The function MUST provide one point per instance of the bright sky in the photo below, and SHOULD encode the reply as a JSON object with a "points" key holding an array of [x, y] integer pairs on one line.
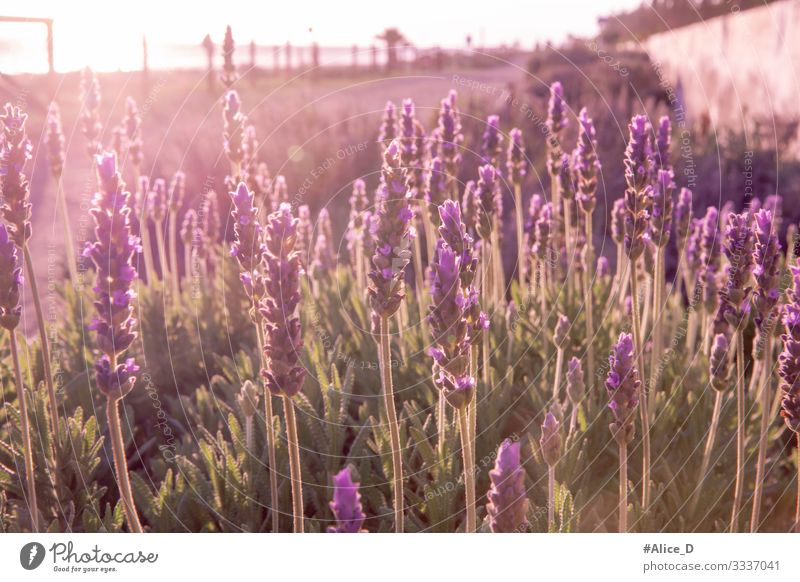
{"points": [[107, 35]]}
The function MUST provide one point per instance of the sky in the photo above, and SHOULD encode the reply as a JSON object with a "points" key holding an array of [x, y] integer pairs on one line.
{"points": [[107, 35]]}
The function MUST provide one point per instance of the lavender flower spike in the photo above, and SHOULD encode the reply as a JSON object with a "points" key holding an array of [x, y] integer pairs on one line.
{"points": [[587, 163], [346, 504], [789, 359], [550, 441], [738, 248], [766, 256], [623, 387], [54, 141], [508, 506], [10, 282], [392, 240], [638, 155], [388, 125], [576, 388], [661, 220], [283, 340], [515, 158], [15, 151], [492, 146], [247, 247], [719, 363], [683, 217]]}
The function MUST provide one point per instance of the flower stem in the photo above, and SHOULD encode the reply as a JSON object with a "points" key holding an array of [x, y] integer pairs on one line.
{"points": [[559, 367], [712, 436], [385, 355], [121, 465], [162, 252], [655, 354], [737, 492], [48, 374], [294, 464], [797, 504], [623, 486], [758, 488], [551, 498], [469, 469], [643, 408], [173, 254], [419, 286], [588, 299], [30, 483], [72, 264], [520, 234], [268, 421]]}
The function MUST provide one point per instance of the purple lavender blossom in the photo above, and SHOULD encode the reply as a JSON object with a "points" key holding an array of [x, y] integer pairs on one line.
{"points": [[566, 178], [470, 207], [542, 233], [355, 226], [587, 164], [661, 149], [738, 248], [515, 158], [10, 282], [247, 247], [638, 155], [766, 256], [550, 441], [438, 188], [54, 141], [388, 125], [283, 339], [618, 221], [234, 123], [661, 219], [576, 388], [449, 134], [555, 123], [508, 505], [15, 151], [683, 217], [623, 387], [561, 331], [410, 154], [90, 111], [637, 218], [157, 201], [392, 240], [492, 145], [789, 359], [719, 363], [113, 253], [189, 228], [132, 124], [305, 232], [490, 200], [346, 504]]}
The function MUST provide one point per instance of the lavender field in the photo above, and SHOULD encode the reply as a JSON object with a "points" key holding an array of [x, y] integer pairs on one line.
{"points": [[490, 296]]}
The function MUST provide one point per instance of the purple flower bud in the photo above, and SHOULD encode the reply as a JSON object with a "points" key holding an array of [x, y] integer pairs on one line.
{"points": [[508, 505], [561, 333], [789, 359], [283, 372], [576, 388], [449, 135], [587, 163], [515, 158], [388, 125], [490, 200], [661, 153], [766, 256], [90, 111], [113, 253], [566, 178], [542, 233], [719, 363], [738, 248], [346, 504], [492, 146], [157, 201], [550, 441], [638, 156], [10, 282], [618, 221], [623, 387], [247, 246], [54, 141], [234, 122], [683, 217], [15, 151]]}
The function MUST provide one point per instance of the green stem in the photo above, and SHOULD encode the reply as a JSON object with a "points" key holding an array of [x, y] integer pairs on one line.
{"points": [[643, 407], [709, 448], [385, 362], [30, 482], [469, 469], [758, 488], [48, 374], [294, 464], [589, 298], [551, 498], [173, 254], [520, 234], [121, 465], [740, 419], [268, 421], [559, 368], [623, 485]]}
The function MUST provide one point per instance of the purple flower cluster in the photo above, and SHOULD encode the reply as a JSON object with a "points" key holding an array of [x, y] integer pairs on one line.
{"points": [[133, 133], [113, 253], [542, 233], [449, 135], [661, 148], [661, 219], [719, 363], [355, 226], [388, 125], [90, 111], [438, 188], [550, 441], [683, 217], [789, 359], [492, 145], [454, 315], [508, 505], [587, 163], [489, 199], [638, 154], [346, 504], [576, 388], [283, 339], [766, 270], [15, 151], [392, 239], [738, 248], [623, 387], [555, 123], [54, 141], [234, 122], [247, 247], [515, 158], [10, 282]]}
